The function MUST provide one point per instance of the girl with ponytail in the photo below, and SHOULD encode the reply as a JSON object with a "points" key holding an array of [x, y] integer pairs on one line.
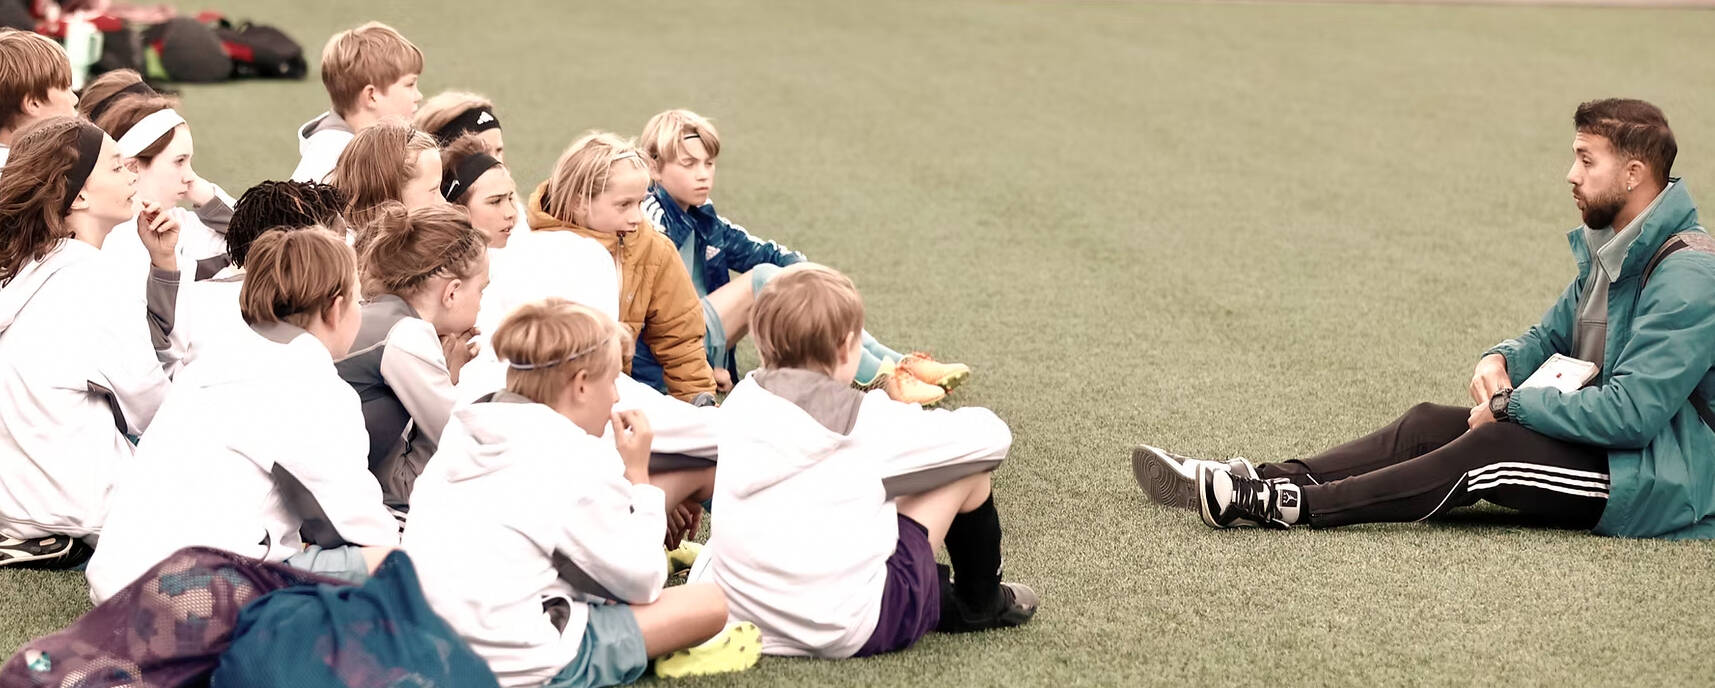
{"points": [[424, 272]]}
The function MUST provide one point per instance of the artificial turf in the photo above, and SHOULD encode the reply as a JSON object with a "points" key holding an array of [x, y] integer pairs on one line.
{"points": [[1249, 229]]}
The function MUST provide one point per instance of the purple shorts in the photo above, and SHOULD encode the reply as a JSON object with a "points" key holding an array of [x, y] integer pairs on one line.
{"points": [[911, 599]]}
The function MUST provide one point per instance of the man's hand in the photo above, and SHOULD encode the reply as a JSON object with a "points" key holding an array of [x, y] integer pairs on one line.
{"points": [[1480, 416], [1491, 377], [632, 437], [159, 232]]}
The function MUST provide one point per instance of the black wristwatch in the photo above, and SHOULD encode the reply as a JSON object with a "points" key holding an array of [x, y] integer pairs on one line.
{"points": [[1498, 405]]}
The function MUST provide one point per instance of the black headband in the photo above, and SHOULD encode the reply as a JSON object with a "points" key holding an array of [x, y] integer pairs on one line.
{"points": [[458, 180], [473, 121], [88, 152], [101, 108]]}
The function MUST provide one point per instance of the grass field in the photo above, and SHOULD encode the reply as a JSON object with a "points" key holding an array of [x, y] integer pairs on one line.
{"points": [[1233, 228]]}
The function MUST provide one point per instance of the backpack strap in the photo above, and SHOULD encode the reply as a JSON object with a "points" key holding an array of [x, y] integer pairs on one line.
{"points": [[1700, 242]]}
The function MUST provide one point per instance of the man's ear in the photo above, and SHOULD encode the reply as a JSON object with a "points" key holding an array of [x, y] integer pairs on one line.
{"points": [[1636, 173]]}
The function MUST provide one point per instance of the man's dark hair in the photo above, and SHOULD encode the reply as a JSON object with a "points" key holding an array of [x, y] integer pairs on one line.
{"points": [[1638, 131], [281, 205]]}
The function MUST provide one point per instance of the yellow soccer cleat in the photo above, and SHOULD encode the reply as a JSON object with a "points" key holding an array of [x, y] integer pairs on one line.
{"points": [[944, 375], [736, 648], [682, 558], [906, 388]]}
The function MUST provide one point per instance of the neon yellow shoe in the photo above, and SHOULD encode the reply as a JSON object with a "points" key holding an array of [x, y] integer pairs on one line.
{"points": [[736, 648], [944, 375], [682, 558]]}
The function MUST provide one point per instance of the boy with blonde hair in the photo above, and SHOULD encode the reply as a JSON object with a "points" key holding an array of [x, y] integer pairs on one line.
{"points": [[568, 589], [370, 73], [681, 147], [35, 84], [809, 453]]}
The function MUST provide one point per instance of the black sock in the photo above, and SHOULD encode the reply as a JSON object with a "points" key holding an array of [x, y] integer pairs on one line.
{"points": [[973, 547]]}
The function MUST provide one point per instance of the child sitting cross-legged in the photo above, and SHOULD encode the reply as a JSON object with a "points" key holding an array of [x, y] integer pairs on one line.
{"points": [[565, 524], [802, 452]]}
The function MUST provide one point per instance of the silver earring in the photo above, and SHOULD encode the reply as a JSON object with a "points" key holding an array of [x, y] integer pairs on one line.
{"points": [[1629, 187]]}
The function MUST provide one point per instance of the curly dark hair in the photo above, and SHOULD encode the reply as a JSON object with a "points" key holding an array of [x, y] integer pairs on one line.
{"points": [[282, 205]]}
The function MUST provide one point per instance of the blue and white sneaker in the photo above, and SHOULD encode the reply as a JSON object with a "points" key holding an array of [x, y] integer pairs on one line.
{"points": [[1171, 479]]}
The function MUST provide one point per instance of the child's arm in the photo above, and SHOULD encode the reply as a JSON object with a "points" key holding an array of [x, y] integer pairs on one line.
{"points": [[612, 532], [415, 368], [745, 252], [923, 449], [674, 332]]}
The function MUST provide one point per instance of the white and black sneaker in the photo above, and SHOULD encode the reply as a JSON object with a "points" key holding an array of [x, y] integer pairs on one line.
{"points": [[1171, 479], [51, 552], [1226, 500]]}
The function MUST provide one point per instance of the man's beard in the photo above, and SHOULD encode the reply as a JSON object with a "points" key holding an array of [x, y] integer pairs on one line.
{"points": [[1599, 211]]}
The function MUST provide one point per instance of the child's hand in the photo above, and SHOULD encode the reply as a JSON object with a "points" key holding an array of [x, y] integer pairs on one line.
{"points": [[632, 437], [159, 232], [682, 522], [723, 380], [459, 349], [201, 192]]}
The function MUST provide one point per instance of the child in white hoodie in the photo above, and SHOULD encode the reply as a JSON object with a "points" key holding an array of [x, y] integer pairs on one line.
{"points": [[803, 452], [370, 73], [78, 374], [260, 443], [564, 522]]}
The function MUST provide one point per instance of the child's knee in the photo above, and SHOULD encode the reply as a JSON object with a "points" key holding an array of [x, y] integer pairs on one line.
{"points": [[760, 275]]}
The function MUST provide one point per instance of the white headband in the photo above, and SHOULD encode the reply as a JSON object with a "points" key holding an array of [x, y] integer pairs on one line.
{"points": [[147, 131]]}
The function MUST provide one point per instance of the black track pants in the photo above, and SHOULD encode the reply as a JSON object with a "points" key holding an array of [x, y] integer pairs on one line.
{"points": [[1429, 461]]}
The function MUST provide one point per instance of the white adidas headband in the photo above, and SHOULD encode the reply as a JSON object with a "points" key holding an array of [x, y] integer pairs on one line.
{"points": [[147, 131]]}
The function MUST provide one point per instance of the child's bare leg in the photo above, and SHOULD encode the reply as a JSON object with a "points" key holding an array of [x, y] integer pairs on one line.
{"points": [[936, 509], [689, 484], [733, 302], [684, 616]]}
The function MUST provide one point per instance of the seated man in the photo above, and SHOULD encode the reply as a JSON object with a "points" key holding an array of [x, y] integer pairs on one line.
{"points": [[1630, 454]]}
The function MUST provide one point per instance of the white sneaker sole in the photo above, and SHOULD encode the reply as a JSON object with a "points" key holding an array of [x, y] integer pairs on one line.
{"points": [[1161, 479]]}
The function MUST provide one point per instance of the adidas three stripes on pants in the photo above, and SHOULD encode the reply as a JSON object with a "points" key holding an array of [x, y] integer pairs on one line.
{"points": [[1430, 461]]}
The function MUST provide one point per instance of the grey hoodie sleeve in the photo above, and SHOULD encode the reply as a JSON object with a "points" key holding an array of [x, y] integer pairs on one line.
{"points": [[162, 294]]}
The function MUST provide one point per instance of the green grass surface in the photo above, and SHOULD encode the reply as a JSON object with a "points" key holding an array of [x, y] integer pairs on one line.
{"points": [[1236, 228]]}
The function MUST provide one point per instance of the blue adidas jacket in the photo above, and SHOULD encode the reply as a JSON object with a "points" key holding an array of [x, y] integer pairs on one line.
{"points": [[725, 248]]}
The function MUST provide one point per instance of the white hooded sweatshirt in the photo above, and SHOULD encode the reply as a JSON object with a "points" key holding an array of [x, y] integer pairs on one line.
{"points": [[804, 501], [259, 439], [320, 141], [77, 374], [520, 507]]}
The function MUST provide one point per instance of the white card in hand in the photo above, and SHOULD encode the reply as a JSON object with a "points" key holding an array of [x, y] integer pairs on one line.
{"points": [[1564, 373]]}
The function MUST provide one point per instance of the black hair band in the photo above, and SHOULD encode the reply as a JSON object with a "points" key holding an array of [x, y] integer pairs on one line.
{"points": [[458, 180], [107, 103], [473, 121], [88, 153]]}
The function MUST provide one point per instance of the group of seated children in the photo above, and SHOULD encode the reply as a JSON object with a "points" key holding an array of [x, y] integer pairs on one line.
{"points": [[398, 350]]}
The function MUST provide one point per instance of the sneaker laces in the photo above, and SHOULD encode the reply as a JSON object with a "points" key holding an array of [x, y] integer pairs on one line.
{"points": [[1257, 501]]}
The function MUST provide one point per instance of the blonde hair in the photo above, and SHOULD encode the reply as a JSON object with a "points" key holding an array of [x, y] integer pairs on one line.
{"points": [[374, 167], [30, 65], [547, 343], [295, 276], [803, 315], [583, 170], [446, 106], [406, 248], [663, 138], [374, 54], [128, 110]]}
